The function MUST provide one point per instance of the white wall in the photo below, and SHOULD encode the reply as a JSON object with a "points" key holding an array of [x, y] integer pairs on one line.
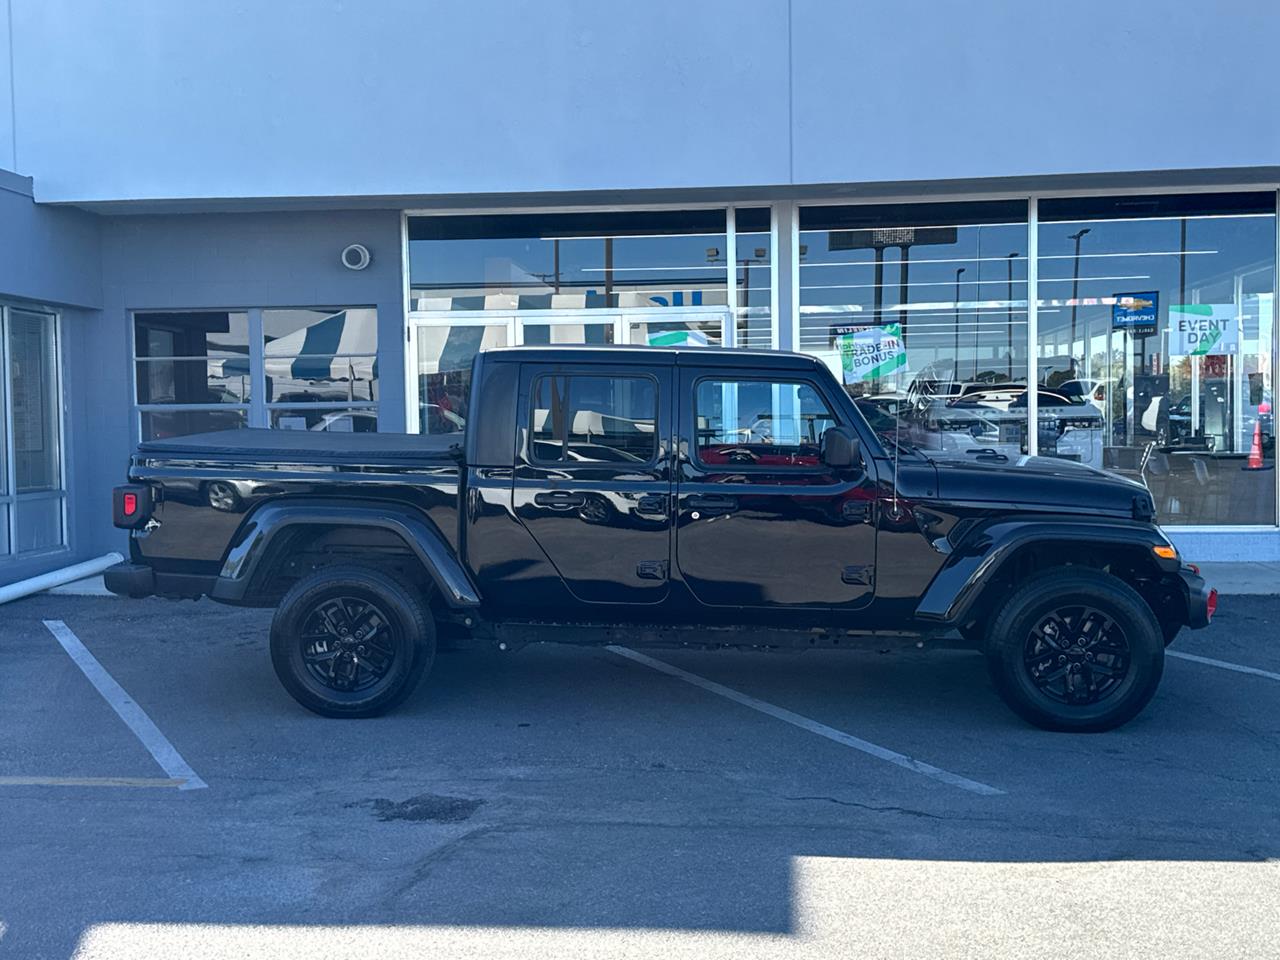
{"points": [[155, 99]]}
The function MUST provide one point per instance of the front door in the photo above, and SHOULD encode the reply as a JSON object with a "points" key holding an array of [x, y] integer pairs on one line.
{"points": [[592, 481], [761, 520]]}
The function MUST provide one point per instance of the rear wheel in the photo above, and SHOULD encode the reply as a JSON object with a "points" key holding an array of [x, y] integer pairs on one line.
{"points": [[1076, 650], [351, 641]]}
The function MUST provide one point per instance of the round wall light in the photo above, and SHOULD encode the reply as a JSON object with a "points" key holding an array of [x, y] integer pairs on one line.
{"points": [[356, 256]]}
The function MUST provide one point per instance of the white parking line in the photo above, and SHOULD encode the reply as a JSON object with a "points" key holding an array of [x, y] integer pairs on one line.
{"points": [[133, 715], [813, 726], [1223, 664], [89, 782]]}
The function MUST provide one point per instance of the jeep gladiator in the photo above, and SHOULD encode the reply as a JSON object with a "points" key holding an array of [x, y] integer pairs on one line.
{"points": [[685, 496]]}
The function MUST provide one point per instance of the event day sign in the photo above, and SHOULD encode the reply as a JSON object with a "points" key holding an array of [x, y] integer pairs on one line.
{"points": [[867, 353], [1204, 329]]}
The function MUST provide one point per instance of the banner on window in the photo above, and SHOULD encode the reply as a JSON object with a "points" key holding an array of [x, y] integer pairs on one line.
{"points": [[677, 338], [869, 353], [1204, 329]]}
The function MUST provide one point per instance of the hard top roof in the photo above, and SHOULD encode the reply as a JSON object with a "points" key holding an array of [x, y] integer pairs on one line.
{"points": [[682, 356]]}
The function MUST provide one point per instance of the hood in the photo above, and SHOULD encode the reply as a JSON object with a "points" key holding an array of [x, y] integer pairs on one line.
{"points": [[1038, 482]]}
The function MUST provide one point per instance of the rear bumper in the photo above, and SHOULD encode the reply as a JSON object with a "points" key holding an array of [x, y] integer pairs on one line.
{"points": [[1202, 599], [130, 580], [138, 580]]}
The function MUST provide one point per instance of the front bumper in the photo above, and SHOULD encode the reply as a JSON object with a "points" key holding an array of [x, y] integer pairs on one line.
{"points": [[1202, 599]]}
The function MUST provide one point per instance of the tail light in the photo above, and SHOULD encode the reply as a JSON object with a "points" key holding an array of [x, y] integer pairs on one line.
{"points": [[1212, 605], [131, 505]]}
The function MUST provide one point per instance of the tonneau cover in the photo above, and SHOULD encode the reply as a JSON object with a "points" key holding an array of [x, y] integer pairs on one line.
{"points": [[305, 446]]}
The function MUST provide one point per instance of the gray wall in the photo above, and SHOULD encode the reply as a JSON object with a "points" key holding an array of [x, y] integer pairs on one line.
{"points": [[226, 261], [51, 256], [48, 254], [173, 99], [60, 257]]}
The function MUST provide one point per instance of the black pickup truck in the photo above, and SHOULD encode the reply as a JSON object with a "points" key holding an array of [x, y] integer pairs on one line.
{"points": [[697, 497]]}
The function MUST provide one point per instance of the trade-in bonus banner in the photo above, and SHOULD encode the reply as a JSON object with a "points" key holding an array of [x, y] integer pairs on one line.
{"points": [[869, 353], [1203, 329]]}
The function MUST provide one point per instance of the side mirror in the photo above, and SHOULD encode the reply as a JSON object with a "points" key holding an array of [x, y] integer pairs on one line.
{"points": [[841, 447]]}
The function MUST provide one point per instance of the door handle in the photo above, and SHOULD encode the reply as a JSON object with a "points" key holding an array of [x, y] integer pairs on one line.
{"points": [[652, 503], [712, 505], [560, 499]]}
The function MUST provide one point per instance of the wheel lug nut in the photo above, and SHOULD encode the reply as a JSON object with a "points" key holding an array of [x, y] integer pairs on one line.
{"points": [[1062, 658]]}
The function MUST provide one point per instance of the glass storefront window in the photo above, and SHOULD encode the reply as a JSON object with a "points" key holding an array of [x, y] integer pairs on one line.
{"points": [[564, 261], [753, 308], [1158, 312], [320, 356], [649, 331], [160, 424], [194, 371], [546, 334], [191, 360], [921, 312], [443, 361], [320, 419]]}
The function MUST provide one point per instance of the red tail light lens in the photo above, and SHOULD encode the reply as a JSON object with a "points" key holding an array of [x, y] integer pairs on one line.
{"points": [[130, 504], [1213, 603]]}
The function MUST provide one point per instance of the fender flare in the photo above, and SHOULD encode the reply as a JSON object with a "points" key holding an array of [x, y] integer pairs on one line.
{"points": [[986, 548], [264, 524]]}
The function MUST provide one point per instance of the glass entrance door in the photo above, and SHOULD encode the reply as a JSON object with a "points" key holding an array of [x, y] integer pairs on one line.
{"points": [[32, 492]]}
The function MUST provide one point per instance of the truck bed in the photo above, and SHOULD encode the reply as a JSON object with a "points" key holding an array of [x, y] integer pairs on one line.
{"points": [[293, 446]]}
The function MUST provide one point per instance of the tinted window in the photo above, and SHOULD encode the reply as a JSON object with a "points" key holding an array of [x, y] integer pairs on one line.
{"points": [[591, 419], [568, 260], [760, 422]]}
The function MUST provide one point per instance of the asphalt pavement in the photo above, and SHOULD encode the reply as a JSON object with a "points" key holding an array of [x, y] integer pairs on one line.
{"points": [[569, 802]]}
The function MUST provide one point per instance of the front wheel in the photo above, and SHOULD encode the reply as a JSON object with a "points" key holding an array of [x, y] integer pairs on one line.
{"points": [[351, 641], [1076, 650]]}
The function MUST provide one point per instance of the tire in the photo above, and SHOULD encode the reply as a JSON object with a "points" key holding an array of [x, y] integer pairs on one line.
{"points": [[324, 661], [1088, 681]]}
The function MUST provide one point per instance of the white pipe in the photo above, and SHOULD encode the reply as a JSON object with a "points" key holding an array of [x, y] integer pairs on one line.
{"points": [[56, 578]]}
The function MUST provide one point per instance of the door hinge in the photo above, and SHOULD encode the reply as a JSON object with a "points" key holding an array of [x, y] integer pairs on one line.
{"points": [[651, 569], [859, 574]]}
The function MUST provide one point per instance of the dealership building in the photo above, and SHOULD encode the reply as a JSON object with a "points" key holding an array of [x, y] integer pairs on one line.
{"points": [[305, 215]]}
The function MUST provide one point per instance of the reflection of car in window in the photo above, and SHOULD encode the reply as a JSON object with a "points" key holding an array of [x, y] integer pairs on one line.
{"points": [[348, 421]]}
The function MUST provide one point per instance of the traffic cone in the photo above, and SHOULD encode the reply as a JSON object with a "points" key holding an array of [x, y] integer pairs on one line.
{"points": [[1255, 451]]}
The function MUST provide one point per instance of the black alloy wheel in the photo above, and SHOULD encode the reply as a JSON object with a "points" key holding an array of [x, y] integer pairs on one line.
{"points": [[351, 641], [1077, 654], [348, 644], [1075, 649]]}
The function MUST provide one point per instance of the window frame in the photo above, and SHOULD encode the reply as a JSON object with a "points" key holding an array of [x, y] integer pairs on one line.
{"points": [[257, 410], [801, 379], [534, 384]]}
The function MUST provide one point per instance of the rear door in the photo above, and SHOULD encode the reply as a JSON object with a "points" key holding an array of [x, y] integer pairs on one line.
{"points": [[761, 520], [592, 481]]}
